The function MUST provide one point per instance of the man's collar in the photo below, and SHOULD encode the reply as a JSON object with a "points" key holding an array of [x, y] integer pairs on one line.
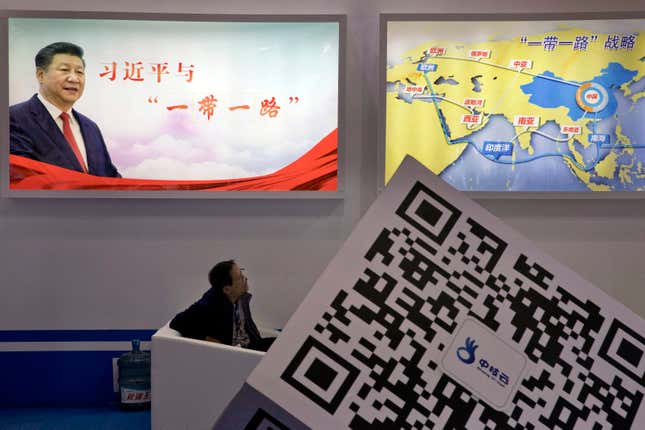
{"points": [[246, 297], [53, 110]]}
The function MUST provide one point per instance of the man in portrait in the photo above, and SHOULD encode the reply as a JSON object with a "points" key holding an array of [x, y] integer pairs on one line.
{"points": [[46, 127]]}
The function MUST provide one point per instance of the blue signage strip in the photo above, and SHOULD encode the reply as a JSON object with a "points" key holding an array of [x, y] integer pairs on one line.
{"points": [[57, 378], [74, 335], [46, 378]]}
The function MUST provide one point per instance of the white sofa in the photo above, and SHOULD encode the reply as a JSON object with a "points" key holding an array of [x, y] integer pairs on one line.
{"points": [[193, 380]]}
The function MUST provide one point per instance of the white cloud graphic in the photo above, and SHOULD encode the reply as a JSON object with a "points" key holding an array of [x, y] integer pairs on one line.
{"points": [[169, 168]]}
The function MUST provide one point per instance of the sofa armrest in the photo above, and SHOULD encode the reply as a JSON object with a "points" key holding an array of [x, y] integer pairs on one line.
{"points": [[194, 380], [268, 332]]}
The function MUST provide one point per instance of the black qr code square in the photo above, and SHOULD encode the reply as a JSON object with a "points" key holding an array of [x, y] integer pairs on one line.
{"points": [[429, 213], [263, 421], [624, 348], [320, 374]]}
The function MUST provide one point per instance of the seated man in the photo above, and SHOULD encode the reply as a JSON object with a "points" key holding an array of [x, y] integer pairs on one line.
{"points": [[223, 314]]}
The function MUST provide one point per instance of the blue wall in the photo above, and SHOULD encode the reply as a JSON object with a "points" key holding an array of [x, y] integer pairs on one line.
{"points": [[40, 376]]}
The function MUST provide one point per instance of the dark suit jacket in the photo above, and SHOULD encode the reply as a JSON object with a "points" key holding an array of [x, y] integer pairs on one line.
{"points": [[212, 315], [34, 134]]}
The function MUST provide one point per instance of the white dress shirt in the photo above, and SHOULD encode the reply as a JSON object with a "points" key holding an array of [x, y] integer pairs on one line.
{"points": [[76, 128]]}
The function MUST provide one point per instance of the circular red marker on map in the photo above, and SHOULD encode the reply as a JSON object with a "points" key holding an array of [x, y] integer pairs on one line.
{"points": [[592, 97]]}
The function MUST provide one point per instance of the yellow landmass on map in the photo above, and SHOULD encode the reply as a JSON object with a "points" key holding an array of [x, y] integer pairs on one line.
{"points": [[419, 137], [414, 128], [638, 96], [640, 170], [625, 174], [606, 168], [586, 177], [576, 154], [622, 138]]}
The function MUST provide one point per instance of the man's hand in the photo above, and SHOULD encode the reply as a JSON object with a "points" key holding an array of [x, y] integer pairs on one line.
{"points": [[212, 339]]}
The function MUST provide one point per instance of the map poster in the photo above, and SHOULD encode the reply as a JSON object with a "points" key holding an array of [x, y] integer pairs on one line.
{"points": [[528, 106]]}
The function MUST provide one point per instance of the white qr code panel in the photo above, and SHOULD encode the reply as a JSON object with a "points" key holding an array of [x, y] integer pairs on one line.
{"points": [[436, 315]]}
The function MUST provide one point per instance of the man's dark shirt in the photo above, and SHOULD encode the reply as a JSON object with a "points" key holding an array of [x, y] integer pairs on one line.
{"points": [[212, 316]]}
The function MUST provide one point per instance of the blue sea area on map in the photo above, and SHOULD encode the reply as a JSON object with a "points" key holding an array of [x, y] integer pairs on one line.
{"points": [[632, 156], [631, 120], [551, 93], [619, 164], [472, 171], [532, 171], [637, 86]]}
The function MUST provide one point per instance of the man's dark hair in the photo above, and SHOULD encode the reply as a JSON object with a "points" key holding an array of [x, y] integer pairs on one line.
{"points": [[45, 56], [220, 274]]}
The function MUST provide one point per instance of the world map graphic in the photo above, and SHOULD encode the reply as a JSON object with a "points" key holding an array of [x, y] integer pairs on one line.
{"points": [[520, 110]]}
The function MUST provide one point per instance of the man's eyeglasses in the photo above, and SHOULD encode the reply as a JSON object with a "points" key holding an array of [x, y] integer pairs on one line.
{"points": [[242, 274]]}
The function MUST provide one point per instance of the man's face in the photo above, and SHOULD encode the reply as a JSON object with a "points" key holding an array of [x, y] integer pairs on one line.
{"points": [[63, 81], [240, 283]]}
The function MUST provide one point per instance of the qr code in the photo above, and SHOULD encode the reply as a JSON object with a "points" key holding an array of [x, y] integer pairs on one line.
{"points": [[373, 357]]}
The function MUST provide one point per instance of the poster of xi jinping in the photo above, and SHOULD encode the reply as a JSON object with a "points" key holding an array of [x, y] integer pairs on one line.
{"points": [[235, 104]]}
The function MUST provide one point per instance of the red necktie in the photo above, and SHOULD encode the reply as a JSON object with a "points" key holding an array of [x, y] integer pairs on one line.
{"points": [[69, 136]]}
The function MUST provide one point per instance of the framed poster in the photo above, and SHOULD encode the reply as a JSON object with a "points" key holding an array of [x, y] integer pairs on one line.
{"points": [[516, 105], [173, 105]]}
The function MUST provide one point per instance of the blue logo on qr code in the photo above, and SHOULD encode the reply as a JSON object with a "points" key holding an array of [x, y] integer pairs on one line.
{"points": [[467, 353], [484, 363]]}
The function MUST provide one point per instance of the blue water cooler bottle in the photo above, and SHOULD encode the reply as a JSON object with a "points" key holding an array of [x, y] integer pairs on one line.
{"points": [[134, 378]]}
